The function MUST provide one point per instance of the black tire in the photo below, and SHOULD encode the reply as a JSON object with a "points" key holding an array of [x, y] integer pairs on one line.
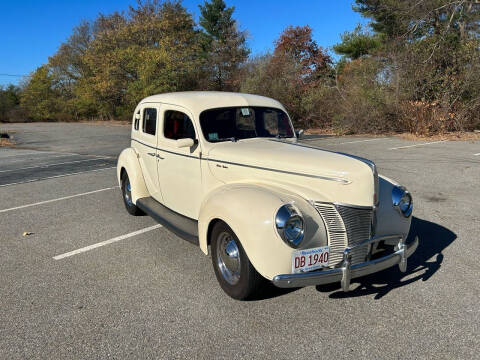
{"points": [[127, 196], [244, 281]]}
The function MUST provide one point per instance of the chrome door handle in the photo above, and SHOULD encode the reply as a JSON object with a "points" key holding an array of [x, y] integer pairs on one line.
{"points": [[158, 156], [151, 154]]}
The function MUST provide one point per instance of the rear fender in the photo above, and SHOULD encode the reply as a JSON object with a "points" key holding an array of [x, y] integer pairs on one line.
{"points": [[128, 160]]}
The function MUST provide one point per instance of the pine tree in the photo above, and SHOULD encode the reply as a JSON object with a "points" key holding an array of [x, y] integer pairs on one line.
{"points": [[224, 45]]}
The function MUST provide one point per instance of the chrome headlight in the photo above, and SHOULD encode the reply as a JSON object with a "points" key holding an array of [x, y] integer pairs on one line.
{"points": [[290, 225], [402, 200]]}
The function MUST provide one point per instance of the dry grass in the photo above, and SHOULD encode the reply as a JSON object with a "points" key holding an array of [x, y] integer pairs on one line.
{"points": [[109, 122], [316, 131], [336, 133], [451, 136]]}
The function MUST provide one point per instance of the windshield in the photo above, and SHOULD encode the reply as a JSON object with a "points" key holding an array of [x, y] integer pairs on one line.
{"points": [[235, 123]]}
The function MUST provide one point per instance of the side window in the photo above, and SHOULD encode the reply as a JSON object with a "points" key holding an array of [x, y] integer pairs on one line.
{"points": [[149, 121], [137, 120], [178, 125]]}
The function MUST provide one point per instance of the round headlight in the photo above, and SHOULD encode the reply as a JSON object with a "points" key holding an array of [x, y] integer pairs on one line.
{"points": [[290, 225], [402, 200]]}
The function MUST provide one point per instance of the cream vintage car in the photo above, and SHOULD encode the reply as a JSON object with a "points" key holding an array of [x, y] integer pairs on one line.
{"points": [[225, 171]]}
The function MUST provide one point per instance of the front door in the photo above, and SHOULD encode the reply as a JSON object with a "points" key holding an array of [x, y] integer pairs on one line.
{"points": [[179, 170], [144, 139]]}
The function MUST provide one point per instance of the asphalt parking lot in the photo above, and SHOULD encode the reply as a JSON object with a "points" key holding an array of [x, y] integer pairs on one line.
{"points": [[91, 281]]}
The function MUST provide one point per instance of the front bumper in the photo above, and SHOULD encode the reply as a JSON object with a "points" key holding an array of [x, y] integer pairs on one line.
{"points": [[347, 271]]}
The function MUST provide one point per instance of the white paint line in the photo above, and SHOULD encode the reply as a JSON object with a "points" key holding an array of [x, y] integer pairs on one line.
{"points": [[106, 242], [358, 141], [36, 158], [476, 154], [100, 156], [60, 156], [316, 139], [38, 153], [57, 176], [22, 154], [347, 142], [48, 165], [57, 199], [423, 144]]}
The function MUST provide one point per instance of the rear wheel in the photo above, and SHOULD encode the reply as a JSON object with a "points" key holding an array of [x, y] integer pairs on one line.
{"points": [[127, 196], [236, 275]]}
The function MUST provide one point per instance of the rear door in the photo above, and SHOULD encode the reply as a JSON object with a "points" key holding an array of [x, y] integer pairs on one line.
{"points": [[144, 137]]}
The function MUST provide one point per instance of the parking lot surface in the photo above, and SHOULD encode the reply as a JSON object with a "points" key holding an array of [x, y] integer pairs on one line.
{"points": [[91, 281]]}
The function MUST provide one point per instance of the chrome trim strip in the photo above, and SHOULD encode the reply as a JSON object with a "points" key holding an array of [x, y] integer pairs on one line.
{"points": [[343, 181], [340, 180], [167, 151], [150, 146], [345, 273], [363, 207]]}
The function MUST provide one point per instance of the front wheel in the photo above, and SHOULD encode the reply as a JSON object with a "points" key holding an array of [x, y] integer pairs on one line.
{"points": [[127, 196], [236, 275]]}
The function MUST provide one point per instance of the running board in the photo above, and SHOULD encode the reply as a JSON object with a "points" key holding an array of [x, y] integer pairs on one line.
{"points": [[180, 225]]}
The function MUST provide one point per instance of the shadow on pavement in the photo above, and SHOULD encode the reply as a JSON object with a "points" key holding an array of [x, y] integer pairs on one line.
{"points": [[426, 260], [270, 291]]}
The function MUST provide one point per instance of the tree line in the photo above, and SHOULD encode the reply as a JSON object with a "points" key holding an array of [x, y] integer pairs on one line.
{"points": [[415, 67]]}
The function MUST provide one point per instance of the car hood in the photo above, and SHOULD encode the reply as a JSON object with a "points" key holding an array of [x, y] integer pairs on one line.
{"points": [[328, 173]]}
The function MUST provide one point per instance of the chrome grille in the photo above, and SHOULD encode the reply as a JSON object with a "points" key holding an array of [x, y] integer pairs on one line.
{"points": [[337, 236], [346, 226]]}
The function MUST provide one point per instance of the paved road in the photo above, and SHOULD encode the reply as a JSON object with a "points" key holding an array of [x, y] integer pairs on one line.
{"points": [[153, 295]]}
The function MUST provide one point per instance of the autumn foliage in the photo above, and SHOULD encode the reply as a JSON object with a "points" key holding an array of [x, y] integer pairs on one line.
{"points": [[415, 68]]}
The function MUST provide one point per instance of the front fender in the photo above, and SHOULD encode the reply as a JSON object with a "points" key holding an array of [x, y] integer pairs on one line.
{"points": [[249, 210], [128, 160], [389, 220]]}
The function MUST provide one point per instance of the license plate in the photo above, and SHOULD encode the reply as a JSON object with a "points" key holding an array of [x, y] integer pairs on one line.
{"points": [[310, 259]]}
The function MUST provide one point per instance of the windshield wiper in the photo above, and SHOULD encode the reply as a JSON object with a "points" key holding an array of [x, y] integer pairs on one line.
{"points": [[232, 139], [278, 136]]}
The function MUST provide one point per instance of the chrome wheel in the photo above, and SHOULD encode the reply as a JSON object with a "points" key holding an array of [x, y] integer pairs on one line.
{"points": [[132, 209], [127, 193], [228, 258]]}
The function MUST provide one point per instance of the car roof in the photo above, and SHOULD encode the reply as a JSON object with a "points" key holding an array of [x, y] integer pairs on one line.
{"points": [[197, 101]]}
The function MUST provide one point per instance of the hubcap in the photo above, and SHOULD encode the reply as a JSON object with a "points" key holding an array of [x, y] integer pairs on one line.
{"points": [[128, 193], [228, 258]]}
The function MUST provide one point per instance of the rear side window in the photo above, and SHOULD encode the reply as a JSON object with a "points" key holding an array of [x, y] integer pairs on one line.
{"points": [[137, 120], [149, 121], [178, 125]]}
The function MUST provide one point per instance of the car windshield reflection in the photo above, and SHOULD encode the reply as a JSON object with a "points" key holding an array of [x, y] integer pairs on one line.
{"points": [[236, 123]]}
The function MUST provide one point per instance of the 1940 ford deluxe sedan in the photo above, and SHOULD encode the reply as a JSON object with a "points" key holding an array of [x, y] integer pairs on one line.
{"points": [[226, 171]]}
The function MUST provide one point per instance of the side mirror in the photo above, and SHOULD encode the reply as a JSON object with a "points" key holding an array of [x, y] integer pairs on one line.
{"points": [[300, 133], [137, 116], [183, 143]]}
